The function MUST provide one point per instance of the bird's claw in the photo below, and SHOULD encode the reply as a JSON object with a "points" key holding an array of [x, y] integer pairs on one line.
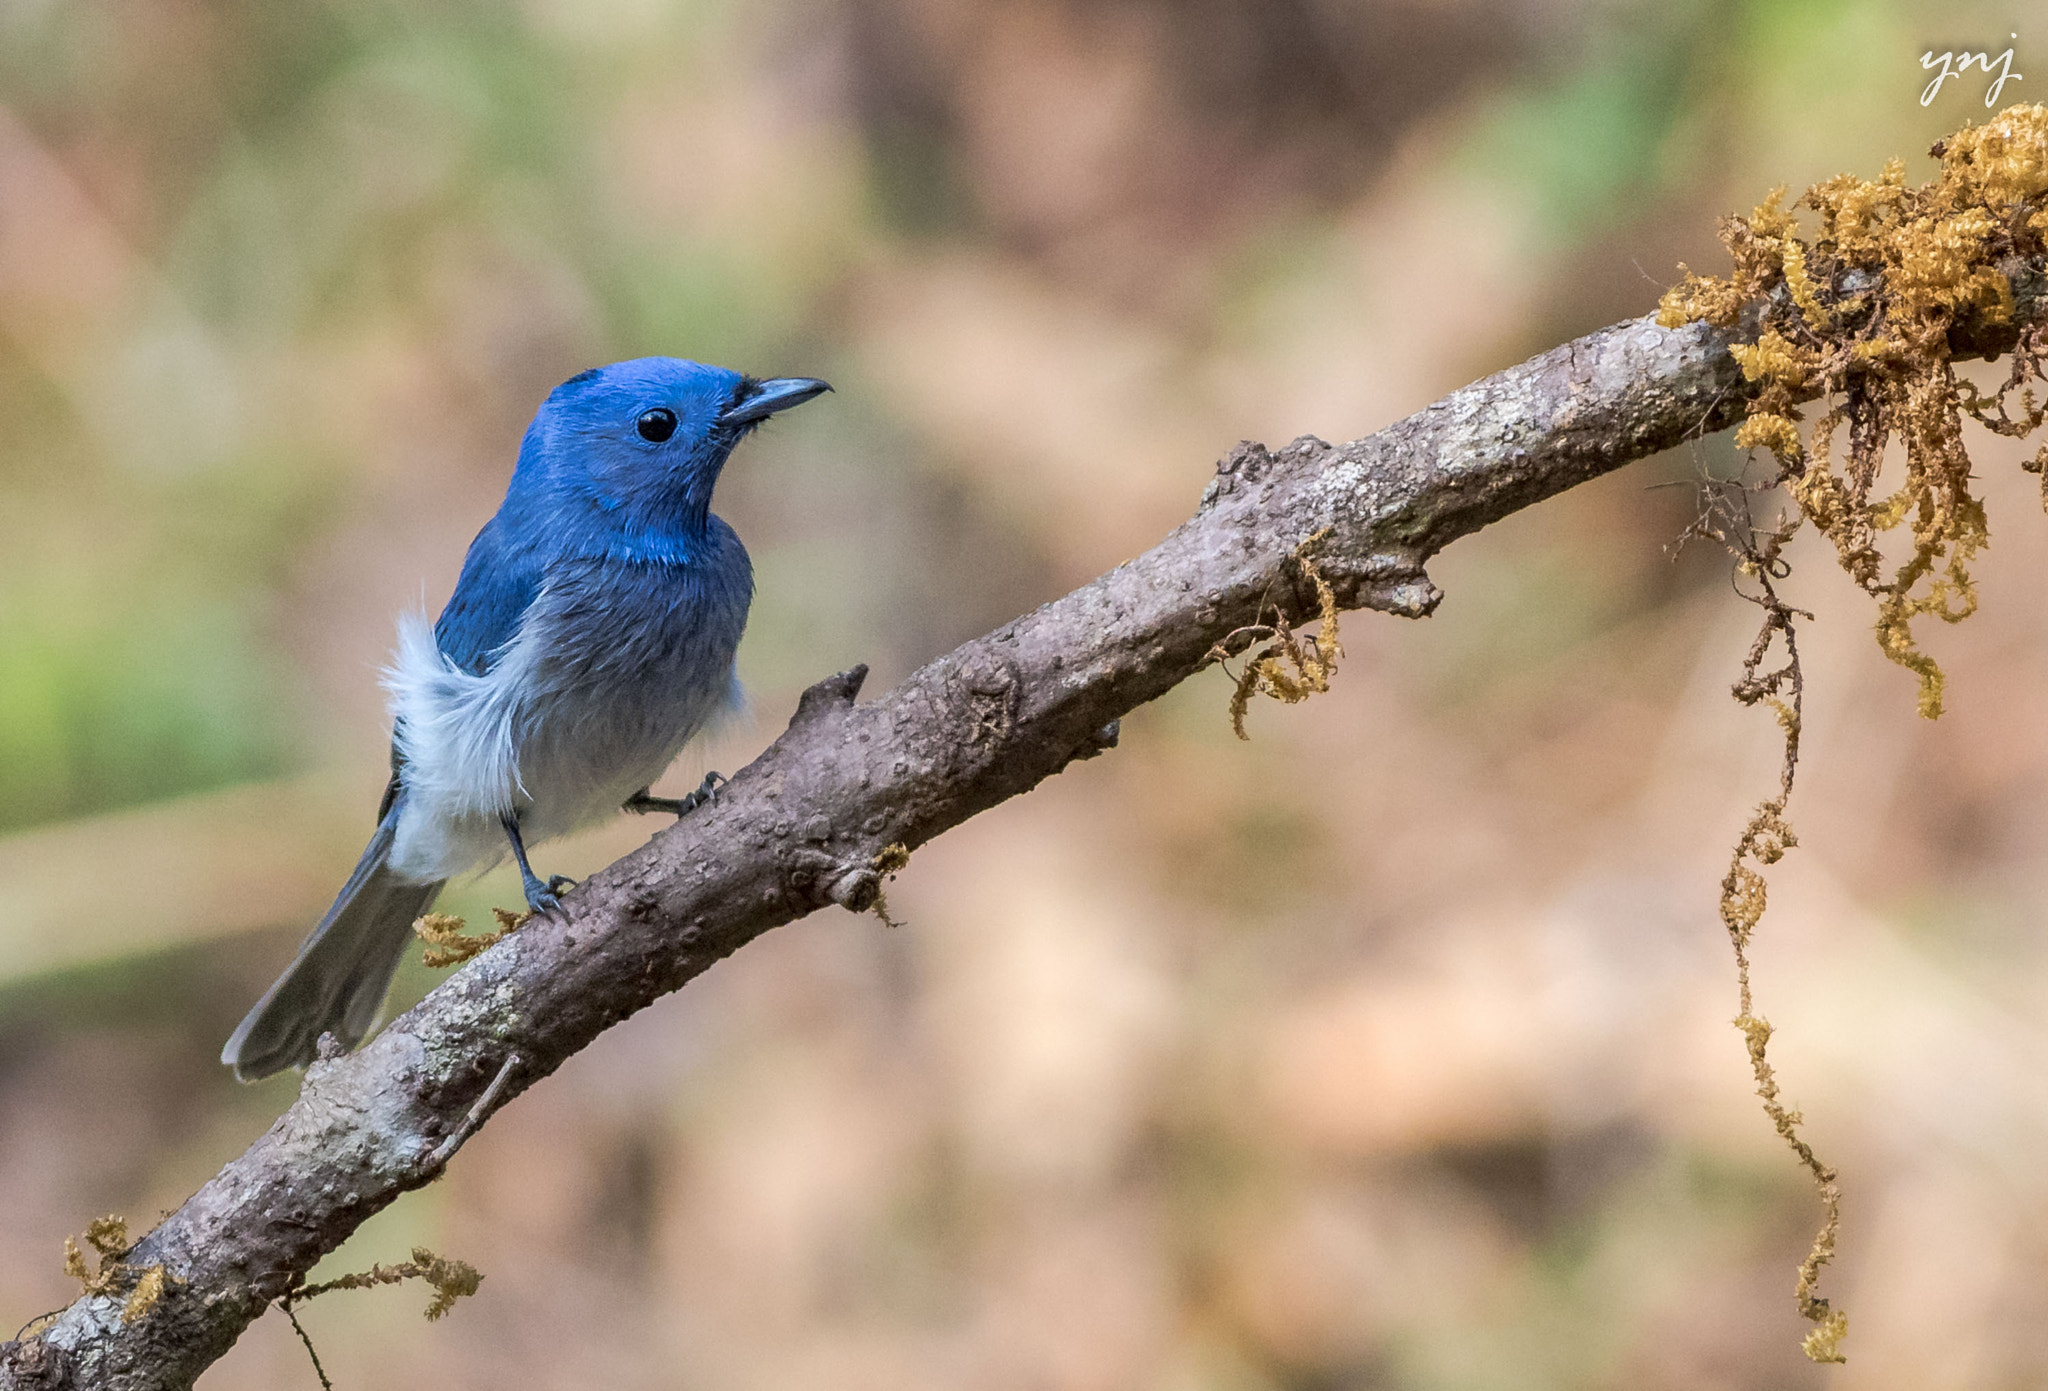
{"points": [[707, 791], [678, 807]]}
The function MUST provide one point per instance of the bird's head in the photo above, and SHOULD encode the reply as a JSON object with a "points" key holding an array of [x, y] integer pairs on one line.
{"points": [[643, 441]]}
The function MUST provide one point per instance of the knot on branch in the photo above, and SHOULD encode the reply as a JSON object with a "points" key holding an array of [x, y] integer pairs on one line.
{"points": [[1251, 462], [853, 882], [834, 695], [991, 682], [858, 888], [36, 1365], [1247, 463], [1395, 584]]}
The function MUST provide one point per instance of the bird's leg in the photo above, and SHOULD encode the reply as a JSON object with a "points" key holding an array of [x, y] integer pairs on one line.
{"points": [[678, 807], [540, 898]]}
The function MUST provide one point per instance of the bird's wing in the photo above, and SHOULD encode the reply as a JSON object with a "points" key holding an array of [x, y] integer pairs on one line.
{"points": [[498, 584]]}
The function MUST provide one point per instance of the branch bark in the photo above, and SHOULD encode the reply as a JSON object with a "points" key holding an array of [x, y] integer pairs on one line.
{"points": [[806, 823]]}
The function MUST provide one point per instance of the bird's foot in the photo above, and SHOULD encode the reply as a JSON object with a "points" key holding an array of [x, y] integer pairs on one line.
{"points": [[678, 807], [707, 790], [559, 882], [540, 898]]}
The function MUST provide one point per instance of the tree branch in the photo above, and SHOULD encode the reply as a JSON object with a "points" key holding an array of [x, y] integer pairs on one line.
{"points": [[807, 823]]}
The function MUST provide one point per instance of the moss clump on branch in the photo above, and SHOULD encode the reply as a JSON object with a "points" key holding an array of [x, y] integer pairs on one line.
{"points": [[1861, 311], [1861, 307], [1286, 666], [450, 944], [451, 1280], [888, 863], [109, 1237]]}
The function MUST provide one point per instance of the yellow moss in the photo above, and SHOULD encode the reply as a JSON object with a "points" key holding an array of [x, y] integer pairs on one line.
{"points": [[1776, 433], [77, 1269], [1743, 892], [451, 1280], [1824, 502], [1861, 310], [1937, 265], [888, 861], [1886, 515], [1770, 220], [1743, 895], [449, 945], [1818, 492], [1852, 210], [1788, 724], [108, 1235], [1895, 638], [1824, 1343], [1285, 666], [1801, 287], [143, 1298], [1859, 313], [1774, 358], [1700, 297], [2002, 162]]}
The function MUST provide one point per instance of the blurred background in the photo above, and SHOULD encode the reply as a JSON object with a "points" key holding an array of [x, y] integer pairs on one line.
{"points": [[1389, 1050]]}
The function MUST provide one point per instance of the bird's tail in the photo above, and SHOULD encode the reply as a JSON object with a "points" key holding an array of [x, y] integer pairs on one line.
{"points": [[336, 984]]}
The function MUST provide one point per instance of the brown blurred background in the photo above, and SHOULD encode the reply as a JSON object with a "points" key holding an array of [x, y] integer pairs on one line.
{"points": [[1390, 1050]]}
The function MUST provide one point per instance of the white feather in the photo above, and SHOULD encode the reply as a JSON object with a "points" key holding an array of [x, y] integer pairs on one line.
{"points": [[536, 735]]}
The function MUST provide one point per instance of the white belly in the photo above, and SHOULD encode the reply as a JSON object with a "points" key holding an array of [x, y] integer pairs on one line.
{"points": [[560, 744]]}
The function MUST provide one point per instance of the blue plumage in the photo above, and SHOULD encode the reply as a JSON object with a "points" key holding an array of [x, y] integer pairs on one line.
{"points": [[490, 598], [590, 636]]}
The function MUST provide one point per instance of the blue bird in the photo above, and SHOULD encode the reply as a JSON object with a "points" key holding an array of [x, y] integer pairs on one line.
{"points": [[590, 637]]}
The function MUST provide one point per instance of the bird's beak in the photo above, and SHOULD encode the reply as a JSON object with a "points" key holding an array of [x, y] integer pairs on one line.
{"points": [[775, 394]]}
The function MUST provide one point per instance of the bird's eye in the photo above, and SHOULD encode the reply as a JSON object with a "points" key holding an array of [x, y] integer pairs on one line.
{"points": [[657, 425]]}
